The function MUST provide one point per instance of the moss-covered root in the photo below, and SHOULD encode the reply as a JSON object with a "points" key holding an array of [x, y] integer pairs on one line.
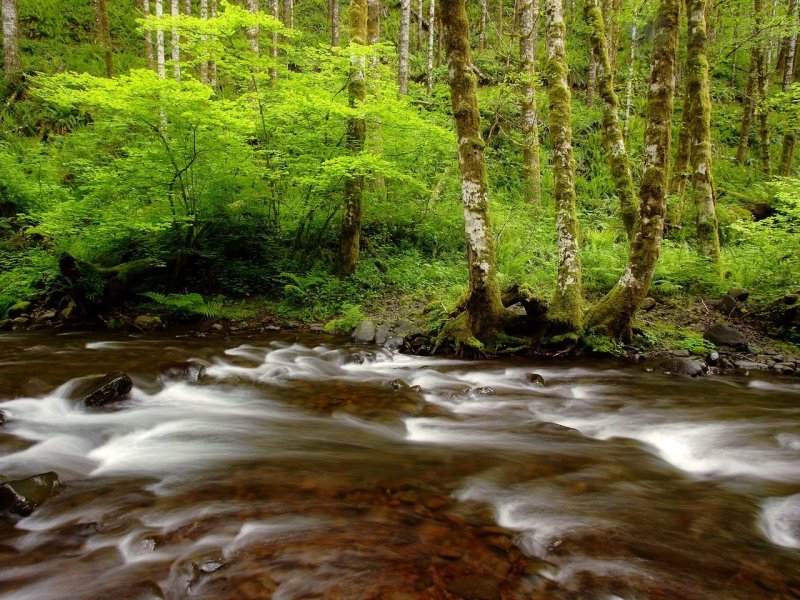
{"points": [[457, 333]]}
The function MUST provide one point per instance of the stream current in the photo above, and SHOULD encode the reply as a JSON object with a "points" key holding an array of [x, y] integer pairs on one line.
{"points": [[300, 467]]}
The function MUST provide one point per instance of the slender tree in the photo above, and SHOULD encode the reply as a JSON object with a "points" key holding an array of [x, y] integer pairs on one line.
{"points": [[531, 163], [482, 28], [148, 38], [288, 13], [204, 66], [253, 32], [175, 40], [431, 45], [274, 10], [614, 140], [614, 313], [565, 309], [762, 83], [212, 65], [355, 138], [104, 34], [697, 87], [482, 307], [160, 58], [631, 63], [373, 21], [187, 8], [680, 169], [334, 10], [748, 107], [789, 137], [405, 25], [420, 21], [12, 61]]}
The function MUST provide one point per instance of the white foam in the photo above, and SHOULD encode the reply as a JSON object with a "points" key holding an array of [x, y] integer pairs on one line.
{"points": [[780, 520]]}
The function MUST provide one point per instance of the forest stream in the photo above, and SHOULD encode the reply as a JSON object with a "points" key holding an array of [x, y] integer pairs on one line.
{"points": [[300, 467]]}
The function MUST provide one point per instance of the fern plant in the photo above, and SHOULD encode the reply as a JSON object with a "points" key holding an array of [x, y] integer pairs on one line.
{"points": [[188, 305]]}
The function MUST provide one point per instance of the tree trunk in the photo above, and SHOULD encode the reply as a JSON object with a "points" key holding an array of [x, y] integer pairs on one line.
{"points": [[431, 44], [175, 41], [104, 35], [405, 24], [614, 141], [356, 136], [148, 38], [420, 19], [631, 74], [482, 27], [531, 161], [204, 38], [614, 313], [680, 170], [187, 8], [565, 309], [373, 22], [160, 58], [482, 308], [288, 13], [274, 10], [334, 22], [12, 61], [762, 82], [789, 137], [697, 86], [748, 106], [212, 65], [253, 32], [591, 80]]}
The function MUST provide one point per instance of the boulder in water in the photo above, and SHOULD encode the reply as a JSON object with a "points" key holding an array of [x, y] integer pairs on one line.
{"points": [[3, 418], [23, 496], [191, 370], [535, 379], [683, 366], [364, 332], [105, 389]]}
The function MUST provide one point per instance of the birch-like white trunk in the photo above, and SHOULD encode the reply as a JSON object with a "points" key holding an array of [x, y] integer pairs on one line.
{"points": [[334, 22], [274, 10], [212, 65], [531, 165], [253, 32], [12, 64], [791, 47], [405, 25], [629, 93], [204, 39], [160, 58], [431, 49], [175, 41], [288, 13], [420, 11]]}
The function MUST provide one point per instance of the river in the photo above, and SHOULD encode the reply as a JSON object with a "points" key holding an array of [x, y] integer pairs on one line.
{"points": [[301, 467]]}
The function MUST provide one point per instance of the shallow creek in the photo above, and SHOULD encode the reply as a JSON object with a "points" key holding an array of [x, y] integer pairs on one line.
{"points": [[293, 470]]}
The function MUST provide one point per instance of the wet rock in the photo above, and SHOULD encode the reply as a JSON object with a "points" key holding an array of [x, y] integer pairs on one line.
{"points": [[484, 391], [382, 334], [720, 334], [67, 312], [418, 344], [681, 353], [45, 317], [744, 366], [683, 366], [3, 418], [712, 357], [19, 309], [364, 333], [19, 322], [726, 305], [191, 370], [404, 328], [105, 389], [23, 496], [394, 343], [217, 327], [359, 358], [535, 379], [785, 368], [474, 587], [648, 304], [738, 294], [147, 322], [398, 385]]}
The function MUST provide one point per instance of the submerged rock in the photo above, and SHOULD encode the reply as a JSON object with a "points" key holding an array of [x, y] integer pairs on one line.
{"points": [[105, 389], [23, 496], [3, 418], [191, 370], [720, 334], [535, 379]]}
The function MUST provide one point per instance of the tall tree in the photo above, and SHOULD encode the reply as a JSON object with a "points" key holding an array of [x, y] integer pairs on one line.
{"points": [[148, 38], [355, 138], [12, 62], [483, 309], [288, 13], [431, 47], [762, 83], [614, 313], [160, 58], [334, 10], [789, 136], [212, 65], [405, 25], [697, 87], [373, 21], [104, 34], [531, 163], [631, 63], [175, 40], [565, 309], [614, 140], [253, 32], [274, 9], [482, 27], [748, 108]]}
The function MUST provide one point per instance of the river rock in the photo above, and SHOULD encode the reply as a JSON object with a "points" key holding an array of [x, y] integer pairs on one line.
{"points": [[19, 322], [382, 334], [720, 334], [713, 356], [648, 304], [681, 353], [535, 379], [364, 333], [738, 294], [785, 368], [105, 389], [45, 317], [726, 304], [3, 418], [23, 496], [147, 322], [683, 366], [394, 343], [19, 309], [191, 370]]}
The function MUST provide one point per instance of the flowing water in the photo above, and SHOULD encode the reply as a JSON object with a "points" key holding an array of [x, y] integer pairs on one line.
{"points": [[299, 467]]}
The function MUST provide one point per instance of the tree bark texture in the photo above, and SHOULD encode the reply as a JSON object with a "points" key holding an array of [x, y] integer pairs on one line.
{"points": [[148, 38], [12, 61], [405, 25], [288, 14], [253, 32], [175, 41], [373, 22], [531, 161], [431, 46], [762, 82], [160, 57], [104, 35], [204, 64], [565, 309], [789, 136], [483, 308], [614, 140], [614, 313], [748, 107], [355, 138]]}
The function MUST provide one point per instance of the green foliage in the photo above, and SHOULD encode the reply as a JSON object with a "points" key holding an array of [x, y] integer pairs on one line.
{"points": [[185, 306], [352, 315]]}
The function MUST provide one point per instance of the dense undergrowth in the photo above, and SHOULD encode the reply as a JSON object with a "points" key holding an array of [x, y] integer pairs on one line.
{"points": [[237, 193]]}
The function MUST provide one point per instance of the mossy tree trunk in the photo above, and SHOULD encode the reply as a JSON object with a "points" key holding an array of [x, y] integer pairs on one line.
{"points": [[748, 106], [614, 313], [789, 136], [680, 169], [402, 51], [614, 140], [482, 28], [531, 162], [631, 74], [12, 61], [104, 35], [373, 22], [565, 310], [700, 128], [355, 138], [482, 309]]}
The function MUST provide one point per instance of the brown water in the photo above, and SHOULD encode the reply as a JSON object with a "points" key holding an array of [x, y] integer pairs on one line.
{"points": [[291, 471]]}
